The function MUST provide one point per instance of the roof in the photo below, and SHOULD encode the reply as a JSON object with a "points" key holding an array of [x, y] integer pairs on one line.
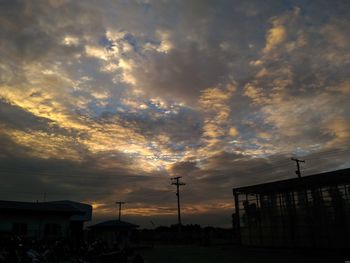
{"points": [[85, 208], [42, 207], [113, 224], [311, 181]]}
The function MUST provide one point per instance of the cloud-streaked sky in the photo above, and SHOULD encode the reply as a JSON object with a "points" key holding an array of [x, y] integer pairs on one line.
{"points": [[102, 101]]}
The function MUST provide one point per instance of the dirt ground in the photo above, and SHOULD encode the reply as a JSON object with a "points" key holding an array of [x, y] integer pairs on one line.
{"points": [[193, 254]]}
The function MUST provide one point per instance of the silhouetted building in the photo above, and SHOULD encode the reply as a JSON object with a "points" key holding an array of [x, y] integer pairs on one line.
{"points": [[44, 220], [76, 221], [307, 212], [113, 232]]}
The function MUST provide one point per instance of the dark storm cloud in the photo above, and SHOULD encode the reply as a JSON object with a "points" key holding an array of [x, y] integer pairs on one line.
{"points": [[59, 178], [16, 117]]}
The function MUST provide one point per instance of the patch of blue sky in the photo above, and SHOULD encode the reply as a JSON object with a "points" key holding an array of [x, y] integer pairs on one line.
{"points": [[194, 145], [97, 107], [105, 42], [146, 7], [299, 151], [89, 67], [253, 122], [131, 39], [142, 119], [178, 147], [245, 132], [153, 42], [97, 110], [155, 107]]}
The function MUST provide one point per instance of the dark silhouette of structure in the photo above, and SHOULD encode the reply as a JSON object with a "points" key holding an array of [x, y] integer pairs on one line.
{"points": [[298, 165], [120, 208], [176, 181], [45, 220], [308, 212], [113, 232]]}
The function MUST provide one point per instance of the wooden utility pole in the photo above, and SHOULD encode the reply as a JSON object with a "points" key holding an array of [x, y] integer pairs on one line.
{"points": [[176, 181], [298, 166], [120, 208]]}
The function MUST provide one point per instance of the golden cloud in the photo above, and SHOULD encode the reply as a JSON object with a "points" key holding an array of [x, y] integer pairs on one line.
{"points": [[275, 36]]}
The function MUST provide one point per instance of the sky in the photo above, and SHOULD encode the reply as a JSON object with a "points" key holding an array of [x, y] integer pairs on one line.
{"points": [[105, 101]]}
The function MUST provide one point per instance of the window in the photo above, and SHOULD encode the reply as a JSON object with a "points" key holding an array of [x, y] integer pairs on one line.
{"points": [[52, 230], [19, 229]]}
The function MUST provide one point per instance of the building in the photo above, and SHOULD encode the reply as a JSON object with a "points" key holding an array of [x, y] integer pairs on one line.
{"points": [[113, 232], [76, 221], [44, 220], [307, 212]]}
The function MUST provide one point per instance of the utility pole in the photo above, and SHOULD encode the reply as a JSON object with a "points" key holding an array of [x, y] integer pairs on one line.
{"points": [[298, 166], [120, 208], [176, 181]]}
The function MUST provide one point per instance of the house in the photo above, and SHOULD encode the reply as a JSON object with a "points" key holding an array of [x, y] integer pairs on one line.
{"points": [[307, 212], [44, 220], [76, 221], [113, 232]]}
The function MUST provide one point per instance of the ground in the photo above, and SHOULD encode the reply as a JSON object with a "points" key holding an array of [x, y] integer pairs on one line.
{"points": [[193, 254]]}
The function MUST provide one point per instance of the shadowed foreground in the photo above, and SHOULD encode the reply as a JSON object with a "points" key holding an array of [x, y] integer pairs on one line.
{"points": [[190, 254]]}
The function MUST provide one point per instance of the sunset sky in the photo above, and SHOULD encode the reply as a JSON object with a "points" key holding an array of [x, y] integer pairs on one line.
{"points": [[104, 101]]}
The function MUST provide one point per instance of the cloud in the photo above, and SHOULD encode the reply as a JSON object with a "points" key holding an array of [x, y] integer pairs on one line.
{"points": [[179, 73], [106, 100], [184, 168], [277, 34], [291, 90]]}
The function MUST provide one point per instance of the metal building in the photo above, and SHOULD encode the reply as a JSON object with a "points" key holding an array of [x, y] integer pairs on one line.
{"points": [[307, 212]]}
